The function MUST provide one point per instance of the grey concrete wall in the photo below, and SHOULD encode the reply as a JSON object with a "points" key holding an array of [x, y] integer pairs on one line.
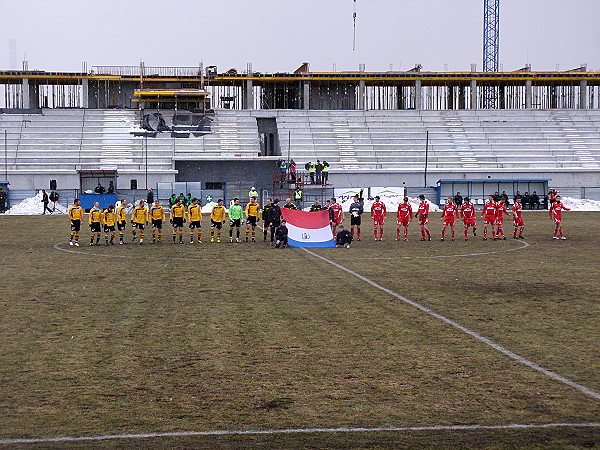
{"points": [[255, 171]]}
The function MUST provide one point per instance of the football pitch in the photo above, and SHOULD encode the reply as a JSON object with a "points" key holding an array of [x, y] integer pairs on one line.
{"points": [[385, 344]]}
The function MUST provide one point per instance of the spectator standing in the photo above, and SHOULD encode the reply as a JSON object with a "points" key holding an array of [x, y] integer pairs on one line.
{"points": [[150, 198], [54, 198], [111, 188], [298, 197], [319, 171], [3, 198], [316, 206], [283, 168], [253, 193], [325, 172], [311, 172], [45, 201], [458, 200], [274, 218], [293, 171]]}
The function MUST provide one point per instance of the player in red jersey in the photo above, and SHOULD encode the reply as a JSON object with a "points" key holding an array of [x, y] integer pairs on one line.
{"points": [[404, 216], [519, 224], [449, 214], [556, 214], [338, 216], [423, 217], [469, 216], [500, 211], [378, 213], [489, 216]]}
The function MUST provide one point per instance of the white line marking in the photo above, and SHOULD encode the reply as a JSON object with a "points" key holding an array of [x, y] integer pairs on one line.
{"points": [[455, 255], [512, 426], [471, 333]]}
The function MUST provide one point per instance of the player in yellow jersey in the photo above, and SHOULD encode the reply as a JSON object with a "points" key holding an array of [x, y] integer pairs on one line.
{"points": [[95, 221], [195, 216], [177, 218], [217, 219], [109, 220], [139, 219], [252, 217], [157, 217], [76, 216], [122, 220]]}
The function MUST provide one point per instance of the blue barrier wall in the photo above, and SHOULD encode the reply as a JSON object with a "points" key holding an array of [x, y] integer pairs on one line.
{"points": [[87, 200]]}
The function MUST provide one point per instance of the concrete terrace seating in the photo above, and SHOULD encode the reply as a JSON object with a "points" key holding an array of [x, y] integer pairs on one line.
{"points": [[459, 140], [71, 140]]}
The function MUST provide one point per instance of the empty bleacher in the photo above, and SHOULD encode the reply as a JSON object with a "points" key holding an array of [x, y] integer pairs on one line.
{"points": [[71, 140]]}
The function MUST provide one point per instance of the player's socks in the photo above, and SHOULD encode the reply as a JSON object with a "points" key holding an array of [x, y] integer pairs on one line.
{"points": [[397, 234], [428, 234], [212, 235], [106, 238], [91, 239], [97, 238], [71, 236], [191, 237], [452, 234], [76, 237], [381, 234], [237, 234], [247, 233], [253, 235], [159, 235], [121, 236], [375, 233], [174, 235], [466, 233], [406, 234], [219, 236], [443, 234], [153, 236]]}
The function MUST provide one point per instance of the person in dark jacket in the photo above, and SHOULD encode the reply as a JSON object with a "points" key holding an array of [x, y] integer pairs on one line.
{"points": [[504, 195], [3, 198], [458, 200], [535, 201], [343, 238], [356, 210], [266, 214], [319, 171], [316, 206], [281, 235], [150, 198], [526, 201], [274, 218], [45, 201]]}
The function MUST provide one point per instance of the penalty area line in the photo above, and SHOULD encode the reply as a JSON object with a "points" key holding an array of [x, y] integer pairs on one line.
{"points": [[513, 426], [477, 336]]}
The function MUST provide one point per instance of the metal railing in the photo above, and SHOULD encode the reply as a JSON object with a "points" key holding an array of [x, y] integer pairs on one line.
{"points": [[134, 71]]}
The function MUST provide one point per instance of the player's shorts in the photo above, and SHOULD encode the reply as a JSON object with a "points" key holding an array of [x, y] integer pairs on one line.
{"points": [[75, 225], [378, 220], [109, 228], [423, 220], [355, 220], [403, 222], [338, 221], [489, 220], [195, 224], [121, 226], [95, 227], [557, 220], [470, 221], [177, 222], [499, 221], [217, 225], [252, 220], [449, 221], [235, 222], [266, 223], [139, 226], [518, 222], [157, 224]]}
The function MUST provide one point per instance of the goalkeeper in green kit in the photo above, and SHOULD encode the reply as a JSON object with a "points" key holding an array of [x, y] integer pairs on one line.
{"points": [[236, 216]]}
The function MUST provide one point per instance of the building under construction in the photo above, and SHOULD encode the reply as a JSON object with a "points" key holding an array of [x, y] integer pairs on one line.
{"points": [[145, 126]]}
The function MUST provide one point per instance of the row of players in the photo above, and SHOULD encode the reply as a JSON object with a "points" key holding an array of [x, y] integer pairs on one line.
{"points": [[111, 220]]}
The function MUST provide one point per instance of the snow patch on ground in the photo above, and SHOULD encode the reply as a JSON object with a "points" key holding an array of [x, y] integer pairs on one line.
{"points": [[581, 204], [33, 206]]}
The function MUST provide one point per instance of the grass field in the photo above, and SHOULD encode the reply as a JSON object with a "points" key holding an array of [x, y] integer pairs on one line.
{"points": [[169, 338]]}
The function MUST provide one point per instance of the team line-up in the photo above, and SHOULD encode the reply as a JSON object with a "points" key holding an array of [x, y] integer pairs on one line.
{"points": [[110, 220]]}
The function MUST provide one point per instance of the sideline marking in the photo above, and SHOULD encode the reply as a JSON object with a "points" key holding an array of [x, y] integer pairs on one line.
{"points": [[512, 426], [466, 330], [80, 252]]}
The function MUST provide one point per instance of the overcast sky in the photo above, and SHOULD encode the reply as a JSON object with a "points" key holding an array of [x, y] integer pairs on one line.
{"points": [[278, 35]]}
